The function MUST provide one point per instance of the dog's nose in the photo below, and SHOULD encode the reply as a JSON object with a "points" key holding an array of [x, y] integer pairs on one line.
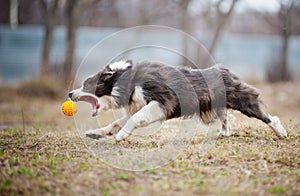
{"points": [[70, 94]]}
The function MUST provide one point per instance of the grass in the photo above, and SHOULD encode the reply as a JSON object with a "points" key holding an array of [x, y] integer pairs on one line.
{"points": [[278, 190], [41, 152]]}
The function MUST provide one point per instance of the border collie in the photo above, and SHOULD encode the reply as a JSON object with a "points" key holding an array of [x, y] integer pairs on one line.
{"points": [[151, 91]]}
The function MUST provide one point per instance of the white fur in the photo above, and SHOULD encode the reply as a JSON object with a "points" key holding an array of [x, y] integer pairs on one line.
{"points": [[119, 65], [276, 125], [105, 102], [225, 131], [79, 93], [138, 96], [113, 127], [150, 113], [115, 92], [138, 100]]}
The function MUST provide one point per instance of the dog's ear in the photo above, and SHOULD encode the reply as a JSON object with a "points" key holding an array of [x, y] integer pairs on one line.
{"points": [[107, 75]]}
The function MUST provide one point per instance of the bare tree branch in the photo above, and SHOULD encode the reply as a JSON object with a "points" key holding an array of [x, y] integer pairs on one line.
{"points": [[222, 20]]}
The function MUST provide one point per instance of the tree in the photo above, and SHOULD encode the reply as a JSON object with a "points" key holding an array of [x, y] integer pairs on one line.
{"points": [[185, 26], [284, 20], [287, 26], [214, 16], [13, 13], [48, 10], [223, 17], [73, 10]]}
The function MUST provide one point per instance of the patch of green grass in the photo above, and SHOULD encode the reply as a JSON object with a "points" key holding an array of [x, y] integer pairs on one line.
{"points": [[151, 171], [123, 176], [151, 145], [105, 193], [2, 153], [85, 166], [52, 162], [297, 175], [164, 170], [224, 173], [8, 183], [197, 182], [100, 165], [229, 192], [10, 172], [108, 190], [279, 190], [138, 189], [25, 171], [36, 156]]}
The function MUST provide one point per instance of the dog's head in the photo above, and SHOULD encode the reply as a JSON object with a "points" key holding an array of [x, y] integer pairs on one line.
{"points": [[97, 88]]}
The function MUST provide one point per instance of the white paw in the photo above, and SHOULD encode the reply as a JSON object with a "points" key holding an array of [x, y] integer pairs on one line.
{"points": [[276, 125], [280, 131], [121, 135], [94, 133], [225, 133]]}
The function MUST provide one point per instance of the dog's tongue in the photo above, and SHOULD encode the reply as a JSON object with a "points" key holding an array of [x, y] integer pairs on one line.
{"points": [[93, 102], [95, 108]]}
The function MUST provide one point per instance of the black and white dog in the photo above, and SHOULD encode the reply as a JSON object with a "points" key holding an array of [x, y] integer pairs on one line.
{"points": [[152, 91]]}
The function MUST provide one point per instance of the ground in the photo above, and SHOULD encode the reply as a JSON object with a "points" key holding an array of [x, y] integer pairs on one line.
{"points": [[41, 152]]}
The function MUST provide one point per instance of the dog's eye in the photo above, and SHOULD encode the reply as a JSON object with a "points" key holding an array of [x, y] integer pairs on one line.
{"points": [[85, 85]]}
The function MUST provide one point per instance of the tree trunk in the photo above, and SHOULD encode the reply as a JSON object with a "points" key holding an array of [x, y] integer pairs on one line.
{"points": [[185, 27], [285, 76], [13, 13], [48, 13], [47, 48], [72, 16], [284, 72]]}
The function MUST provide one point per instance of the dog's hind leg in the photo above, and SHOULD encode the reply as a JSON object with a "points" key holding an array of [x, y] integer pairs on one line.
{"points": [[223, 116], [253, 109], [150, 113], [245, 99]]}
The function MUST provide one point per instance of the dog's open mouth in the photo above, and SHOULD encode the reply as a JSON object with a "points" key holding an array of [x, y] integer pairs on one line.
{"points": [[92, 100]]}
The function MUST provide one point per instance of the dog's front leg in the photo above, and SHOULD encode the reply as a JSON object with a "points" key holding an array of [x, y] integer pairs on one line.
{"points": [[113, 127], [150, 113]]}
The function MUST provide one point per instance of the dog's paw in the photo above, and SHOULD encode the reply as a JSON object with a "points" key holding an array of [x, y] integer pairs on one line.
{"points": [[94, 134], [225, 133], [276, 125], [280, 131], [121, 135]]}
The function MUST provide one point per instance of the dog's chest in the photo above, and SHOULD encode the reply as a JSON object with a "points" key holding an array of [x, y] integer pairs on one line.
{"points": [[137, 101]]}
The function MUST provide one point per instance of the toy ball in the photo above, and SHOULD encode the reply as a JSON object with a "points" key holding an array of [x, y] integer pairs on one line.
{"points": [[69, 108]]}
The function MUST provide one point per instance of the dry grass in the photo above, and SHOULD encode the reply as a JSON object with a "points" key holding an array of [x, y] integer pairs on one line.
{"points": [[42, 153]]}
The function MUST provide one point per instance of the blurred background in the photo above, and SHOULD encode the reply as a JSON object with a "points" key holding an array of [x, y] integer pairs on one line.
{"points": [[258, 40], [46, 46]]}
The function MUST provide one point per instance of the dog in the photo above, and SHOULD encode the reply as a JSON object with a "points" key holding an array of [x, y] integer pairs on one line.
{"points": [[151, 91]]}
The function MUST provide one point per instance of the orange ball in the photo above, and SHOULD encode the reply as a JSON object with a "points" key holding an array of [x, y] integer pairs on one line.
{"points": [[69, 108]]}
